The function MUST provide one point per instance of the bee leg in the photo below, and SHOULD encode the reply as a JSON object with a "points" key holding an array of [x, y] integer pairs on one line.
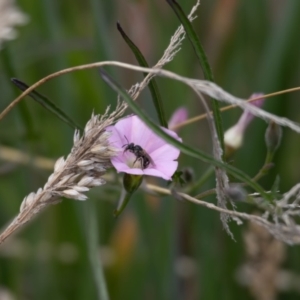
{"points": [[135, 160], [141, 160], [142, 163]]}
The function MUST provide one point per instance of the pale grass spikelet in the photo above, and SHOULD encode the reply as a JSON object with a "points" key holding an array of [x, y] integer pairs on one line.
{"points": [[10, 16], [76, 137], [59, 165], [81, 188], [176, 40], [85, 181], [99, 149], [65, 179], [75, 175], [27, 200], [169, 54], [73, 194], [84, 163], [97, 181]]}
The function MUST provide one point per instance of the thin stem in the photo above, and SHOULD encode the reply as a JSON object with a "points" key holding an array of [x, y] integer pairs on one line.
{"points": [[265, 168], [93, 250], [125, 197], [154, 71], [207, 174], [204, 116], [205, 194], [253, 218]]}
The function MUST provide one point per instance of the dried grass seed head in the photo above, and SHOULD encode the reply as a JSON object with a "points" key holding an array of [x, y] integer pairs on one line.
{"points": [[74, 176]]}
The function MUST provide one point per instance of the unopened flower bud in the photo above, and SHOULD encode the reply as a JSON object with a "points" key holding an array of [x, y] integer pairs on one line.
{"points": [[188, 175], [132, 182], [233, 137], [273, 136], [236, 193]]}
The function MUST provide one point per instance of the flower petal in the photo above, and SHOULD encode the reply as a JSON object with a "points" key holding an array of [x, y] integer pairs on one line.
{"points": [[179, 116], [164, 170], [133, 130], [165, 153]]}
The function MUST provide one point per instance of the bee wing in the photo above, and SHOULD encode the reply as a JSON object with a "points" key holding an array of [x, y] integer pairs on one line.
{"points": [[150, 159]]}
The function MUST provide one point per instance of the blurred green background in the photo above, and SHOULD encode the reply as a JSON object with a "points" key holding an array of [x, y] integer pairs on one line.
{"points": [[159, 248]]}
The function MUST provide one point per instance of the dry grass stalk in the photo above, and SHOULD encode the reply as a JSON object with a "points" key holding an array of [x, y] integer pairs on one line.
{"points": [[225, 108], [282, 227], [205, 87], [83, 169], [222, 181]]}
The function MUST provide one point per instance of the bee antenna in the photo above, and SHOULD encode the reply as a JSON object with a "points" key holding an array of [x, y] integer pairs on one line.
{"points": [[126, 139]]}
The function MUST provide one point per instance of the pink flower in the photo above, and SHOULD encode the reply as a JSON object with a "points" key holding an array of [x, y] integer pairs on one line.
{"points": [[154, 156], [179, 116], [234, 136]]}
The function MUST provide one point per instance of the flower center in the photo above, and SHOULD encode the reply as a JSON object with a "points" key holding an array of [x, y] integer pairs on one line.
{"points": [[132, 161]]}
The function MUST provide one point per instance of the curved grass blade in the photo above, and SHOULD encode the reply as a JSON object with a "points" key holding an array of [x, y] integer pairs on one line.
{"points": [[200, 53], [184, 148], [10, 69], [156, 98], [46, 103]]}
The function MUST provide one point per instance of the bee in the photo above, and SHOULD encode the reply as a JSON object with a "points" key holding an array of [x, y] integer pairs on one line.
{"points": [[140, 154]]}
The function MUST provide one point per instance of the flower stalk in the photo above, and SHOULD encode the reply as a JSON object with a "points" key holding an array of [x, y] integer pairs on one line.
{"points": [[131, 184]]}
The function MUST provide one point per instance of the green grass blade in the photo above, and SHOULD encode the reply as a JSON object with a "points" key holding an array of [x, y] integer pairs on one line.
{"points": [[92, 235], [200, 53], [46, 103], [156, 97], [10, 69], [184, 148]]}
